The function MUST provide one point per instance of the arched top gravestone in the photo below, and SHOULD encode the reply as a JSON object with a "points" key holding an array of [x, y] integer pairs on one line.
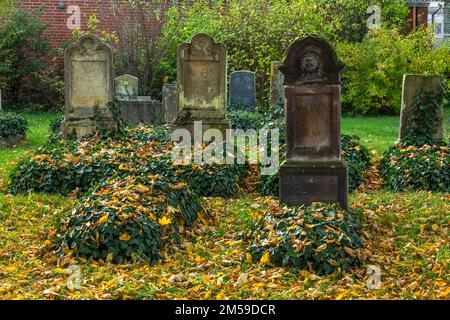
{"points": [[311, 60], [201, 83], [89, 86], [313, 169]]}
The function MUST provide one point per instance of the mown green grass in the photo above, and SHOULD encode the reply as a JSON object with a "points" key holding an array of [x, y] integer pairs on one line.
{"points": [[37, 135], [380, 133]]}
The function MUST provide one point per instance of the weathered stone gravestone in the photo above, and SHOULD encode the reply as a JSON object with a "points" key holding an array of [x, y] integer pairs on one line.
{"points": [[141, 110], [170, 102], [313, 170], [135, 109], [276, 85], [127, 86], [242, 89], [201, 84], [412, 85], [89, 85]]}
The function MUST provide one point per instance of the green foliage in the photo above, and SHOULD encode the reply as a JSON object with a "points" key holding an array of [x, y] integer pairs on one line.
{"points": [[27, 82], [320, 238], [424, 118], [245, 119], [353, 153], [127, 218], [407, 167], [13, 125], [63, 167], [372, 80], [257, 32]]}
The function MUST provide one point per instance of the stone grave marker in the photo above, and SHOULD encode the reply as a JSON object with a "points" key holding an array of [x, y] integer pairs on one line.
{"points": [[201, 84], [412, 85], [313, 170], [242, 89], [89, 86], [276, 85], [170, 102], [127, 86]]}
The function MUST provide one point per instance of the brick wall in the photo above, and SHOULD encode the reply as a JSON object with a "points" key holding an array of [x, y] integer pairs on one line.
{"points": [[58, 32]]}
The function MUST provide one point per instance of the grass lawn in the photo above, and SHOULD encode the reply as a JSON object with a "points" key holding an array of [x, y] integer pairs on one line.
{"points": [[380, 132], [407, 235], [36, 136]]}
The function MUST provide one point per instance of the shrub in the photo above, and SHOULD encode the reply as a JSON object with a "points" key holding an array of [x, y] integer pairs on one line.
{"points": [[244, 119], [130, 217], [319, 237], [27, 81], [65, 166], [13, 125], [257, 32], [408, 167], [353, 153], [372, 79]]}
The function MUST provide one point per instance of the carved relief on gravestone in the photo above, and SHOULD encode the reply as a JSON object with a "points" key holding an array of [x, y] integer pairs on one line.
{"points": [[89, 85], [201, 83], [313, 170], [242, 89], [127, 86], [412, 85]]}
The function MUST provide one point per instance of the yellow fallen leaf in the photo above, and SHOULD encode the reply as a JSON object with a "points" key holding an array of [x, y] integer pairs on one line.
{"points": [[265, 257], [59, 271], [164, 221], [103, 219], [248, 257], [125, 237]]}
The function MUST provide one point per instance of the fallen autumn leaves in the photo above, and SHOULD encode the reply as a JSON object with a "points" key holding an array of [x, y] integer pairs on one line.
{"points": [[406, 234]]}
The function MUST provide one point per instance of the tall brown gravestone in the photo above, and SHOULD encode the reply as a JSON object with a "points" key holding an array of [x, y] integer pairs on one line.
{"points": [[201, 84], [313, 170], [89, 85]]}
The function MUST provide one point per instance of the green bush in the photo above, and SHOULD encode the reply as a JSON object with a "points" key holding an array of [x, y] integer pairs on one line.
{"points": [[321, 238], [13, 125], [129, 218], [27, 82], [353, 153], [257, 32], [372, 79], [408, 167], [245, 120], [62, 167]]}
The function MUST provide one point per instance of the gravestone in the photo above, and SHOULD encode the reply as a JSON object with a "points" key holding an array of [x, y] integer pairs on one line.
{"points": [[201, 84], [170, 102], [141, 110], [276, 85], [242, 89], [412, 85], [127, 86], [89, 86], [313, 169]]}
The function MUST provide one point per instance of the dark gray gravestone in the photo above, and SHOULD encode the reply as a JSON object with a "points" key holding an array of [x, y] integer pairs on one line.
{"points": [[242, 89], [170, 102], [313, 170], [276, 85], [141, 110]]}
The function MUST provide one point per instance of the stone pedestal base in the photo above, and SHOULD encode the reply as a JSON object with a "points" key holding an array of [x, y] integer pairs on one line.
{"points": [[220, 124], [141, 111], [306, 182], [85, 127]]}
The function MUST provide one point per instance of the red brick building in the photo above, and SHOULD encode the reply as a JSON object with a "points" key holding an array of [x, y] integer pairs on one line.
{"points": [[58, 12]]}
